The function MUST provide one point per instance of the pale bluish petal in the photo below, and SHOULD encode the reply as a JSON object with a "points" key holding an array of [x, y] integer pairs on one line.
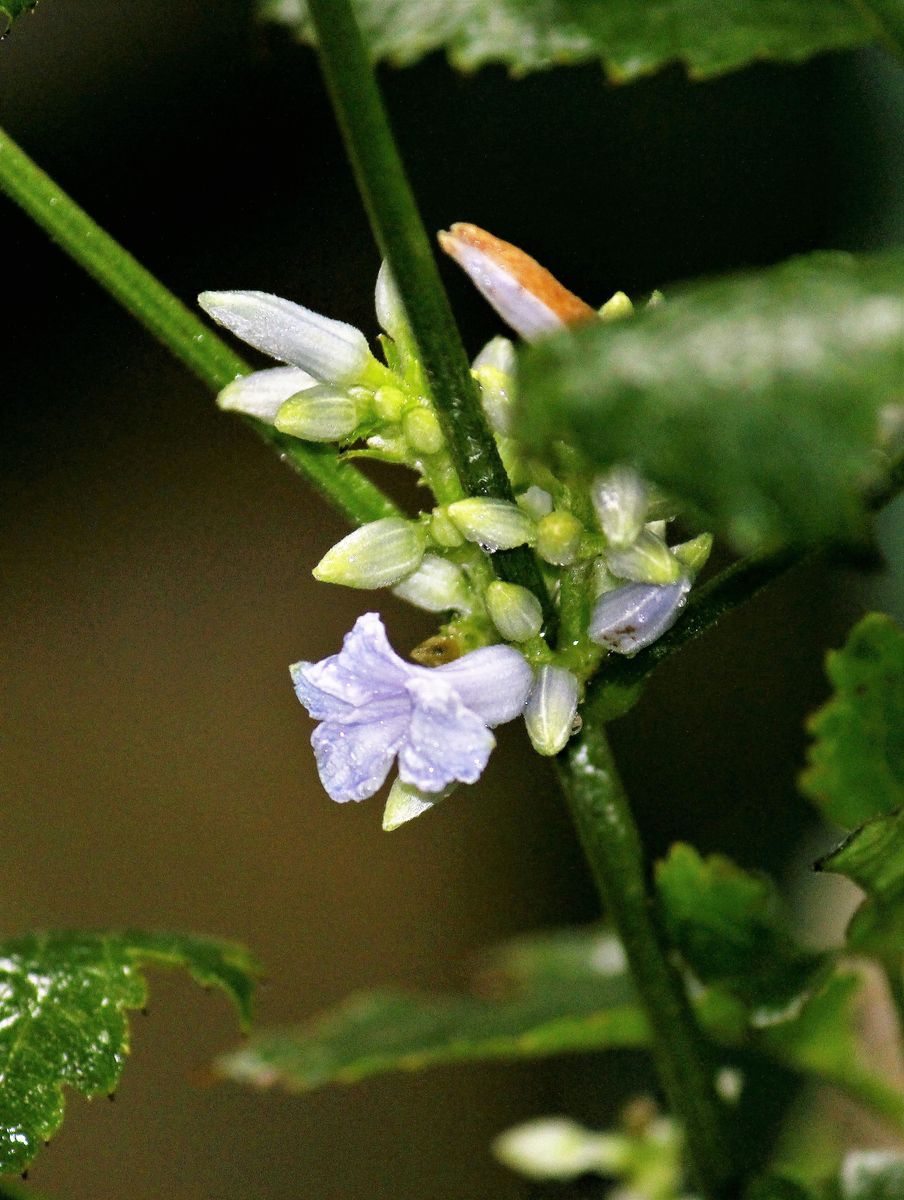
{"points": [[493, 682], [629, 618], [366, 668], [332, 351], [445, 742], [354, 760], [262, 394]]}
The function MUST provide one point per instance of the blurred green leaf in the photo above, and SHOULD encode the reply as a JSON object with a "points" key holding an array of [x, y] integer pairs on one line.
{"points": [[775, 1187], [11, 9], [63, 999], [752, 398], [539, 997], [873, 857], [732, 929], [855, 765], [872, 1175], [631, 38]]}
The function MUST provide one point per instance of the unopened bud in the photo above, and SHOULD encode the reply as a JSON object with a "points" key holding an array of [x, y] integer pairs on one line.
{"points": [[444, 531], [620, 500], [559, 538], [648, 560], [536, 502], [559, 1148], [377, 555], [514, 610], [332, 351], [436, 586], [617, 307], [389, 402], [693, 555], [320, 414], [263, 393], [405, 802], [498, 353], [423, 431], [656, 298], [551, 709], [601, 579], [494, 524], [388, 303], [636, 615], [496, 398]]}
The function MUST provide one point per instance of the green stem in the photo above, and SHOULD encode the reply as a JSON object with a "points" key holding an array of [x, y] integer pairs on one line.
{"points": [[611, 842], [894, 978], [404, 244], [168, 319]]}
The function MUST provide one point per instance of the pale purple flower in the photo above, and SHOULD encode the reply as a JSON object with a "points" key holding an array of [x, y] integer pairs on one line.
{"points": [[631, 617], [374, 708]]}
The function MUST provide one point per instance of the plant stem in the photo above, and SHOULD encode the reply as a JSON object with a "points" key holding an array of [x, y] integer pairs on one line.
{"points": [[168, 319], [403, 242], [894, 978], [611, 842]]}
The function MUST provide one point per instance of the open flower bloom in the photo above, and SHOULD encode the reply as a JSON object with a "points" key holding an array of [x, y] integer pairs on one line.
{"points": [[374, 707]]}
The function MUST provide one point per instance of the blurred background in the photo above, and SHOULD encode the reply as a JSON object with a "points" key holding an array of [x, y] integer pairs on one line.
{"points": [[156, 562]]}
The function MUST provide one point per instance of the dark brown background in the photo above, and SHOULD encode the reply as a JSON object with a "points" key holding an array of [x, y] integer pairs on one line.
{"points": [[157, 563]]}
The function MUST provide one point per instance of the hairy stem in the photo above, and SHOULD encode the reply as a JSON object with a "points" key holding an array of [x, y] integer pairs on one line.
{"points": [[611, 842], [168, 319], [404, 243]]}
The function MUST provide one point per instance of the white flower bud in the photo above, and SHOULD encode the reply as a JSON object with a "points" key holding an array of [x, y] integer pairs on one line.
{"points": [[494, 524], [551, 709], [496, 399], [498, 353], [320, 414], [263, 393], [388, 302], [514, 610], [535, 502], [559, 1148], [617, 307], [377, 555], [331, 351], [693, 555], [634, 616], [405, 802], [648, 560], [559, 538], [620, 500], [436, 586]]}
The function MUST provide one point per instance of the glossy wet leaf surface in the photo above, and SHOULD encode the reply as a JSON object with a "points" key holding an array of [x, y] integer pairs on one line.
{"points": [[631, 38], [63, 1004], [754, 399]]}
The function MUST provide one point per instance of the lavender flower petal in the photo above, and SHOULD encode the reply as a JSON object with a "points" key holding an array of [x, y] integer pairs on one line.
{"points": [[631, 617], [493, 682], [354, 760], [446, 741]]}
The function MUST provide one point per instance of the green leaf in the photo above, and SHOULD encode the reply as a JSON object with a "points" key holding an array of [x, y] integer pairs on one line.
{"points": [[550, 995], [872, 1175], [873, 857], [11, 9], [63, 1000], [631, 38], [752, 398], [856, 762], [775, 1187], [732, 929]]}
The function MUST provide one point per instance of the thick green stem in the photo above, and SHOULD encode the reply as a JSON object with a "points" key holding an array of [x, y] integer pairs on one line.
{"points": [[611, 842], [404, 243], [168, 319]]}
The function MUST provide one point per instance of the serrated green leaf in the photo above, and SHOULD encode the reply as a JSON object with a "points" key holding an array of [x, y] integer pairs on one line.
{"points": [[873, 857], [753, 398], [872, 1175], [549, 995], [855, 765], [631, 38], [732, 929], [63, 1004]]}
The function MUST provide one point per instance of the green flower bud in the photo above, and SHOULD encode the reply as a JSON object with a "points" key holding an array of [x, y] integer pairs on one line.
{"points": [[620, 500], [443, 530], [535, 502], [494, 524], [318, 414], [601, 579], [617, 307], [436, 586], [406, 802], [499, 353], [423, 431], [389, 402], [514, 610], [649, 560], [551, 709], [496, 398], [559, 538], [375, 556], [693, 554], [559, 1148]]}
